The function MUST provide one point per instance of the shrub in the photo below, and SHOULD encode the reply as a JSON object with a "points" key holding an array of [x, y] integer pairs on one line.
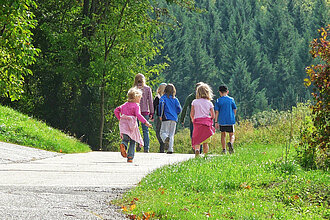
{"points": [[315, 136]]}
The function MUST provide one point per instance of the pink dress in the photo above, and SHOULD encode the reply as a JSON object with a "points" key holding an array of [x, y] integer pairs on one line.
{"points": [[127, 114]]}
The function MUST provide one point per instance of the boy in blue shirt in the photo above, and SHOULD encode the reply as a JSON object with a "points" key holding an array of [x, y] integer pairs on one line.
{"points": [[225, 112]]}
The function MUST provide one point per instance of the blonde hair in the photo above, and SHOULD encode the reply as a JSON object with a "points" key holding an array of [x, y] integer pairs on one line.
{"points": [[161, 89], [204, 91], [133, 93], [139, 80]]}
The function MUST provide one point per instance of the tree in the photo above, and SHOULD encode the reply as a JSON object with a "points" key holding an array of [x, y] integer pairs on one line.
{"points": [[16, 49], [317, 138]]}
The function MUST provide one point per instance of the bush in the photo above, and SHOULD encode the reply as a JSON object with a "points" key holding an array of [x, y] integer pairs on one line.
{"points": [[315, 136]]}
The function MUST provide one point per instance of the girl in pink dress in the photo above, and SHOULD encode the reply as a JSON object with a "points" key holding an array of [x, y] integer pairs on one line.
{"points": [[202, 115], [127, 114]]}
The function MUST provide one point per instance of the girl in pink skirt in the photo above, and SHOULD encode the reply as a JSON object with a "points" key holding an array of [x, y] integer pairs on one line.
{"points": [[202, 115], [127, 114]]}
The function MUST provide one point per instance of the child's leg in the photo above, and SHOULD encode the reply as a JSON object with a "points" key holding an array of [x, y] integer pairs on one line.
{"points": [[231, 141], [197, 151], [205, 148], [171, 132], [125, 140], [123, 145], [157, 128], [145, 131], [231, 137], [163, 130], [131, 149], [223, 140]]}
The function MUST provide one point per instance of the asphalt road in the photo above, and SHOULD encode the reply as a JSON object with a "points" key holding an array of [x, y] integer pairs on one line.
{"points": [[37, 184]]}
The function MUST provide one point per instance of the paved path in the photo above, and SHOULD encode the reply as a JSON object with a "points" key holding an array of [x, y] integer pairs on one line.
{"points": [[36, 184]]}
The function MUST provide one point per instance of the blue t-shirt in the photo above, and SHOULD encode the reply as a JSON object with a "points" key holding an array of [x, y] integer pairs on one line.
{"points": [[225, 105], [169, 108]]}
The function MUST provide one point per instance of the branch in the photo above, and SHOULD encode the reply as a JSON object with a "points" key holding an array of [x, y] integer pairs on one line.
{"points": [[114, 36]]}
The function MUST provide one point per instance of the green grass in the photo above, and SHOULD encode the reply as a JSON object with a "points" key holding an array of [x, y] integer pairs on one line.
{"points": [[21, 129], [262, 180], [253, 183]]}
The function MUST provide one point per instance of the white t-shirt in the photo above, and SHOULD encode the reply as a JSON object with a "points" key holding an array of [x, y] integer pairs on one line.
{"points": [[202, 108]]}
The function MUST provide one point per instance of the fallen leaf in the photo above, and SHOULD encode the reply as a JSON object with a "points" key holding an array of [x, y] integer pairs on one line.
{"points": [[124, 208], [132, 207]]}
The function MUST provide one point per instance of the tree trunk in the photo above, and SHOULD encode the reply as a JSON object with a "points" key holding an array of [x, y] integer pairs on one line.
{"points": [[102, 115]]}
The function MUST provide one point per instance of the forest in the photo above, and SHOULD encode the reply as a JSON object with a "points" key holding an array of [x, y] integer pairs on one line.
{"points": [[71, 62]]}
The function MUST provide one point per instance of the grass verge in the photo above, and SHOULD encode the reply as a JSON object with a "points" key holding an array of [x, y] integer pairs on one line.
{"points": [[21, 129], [254, 183]]}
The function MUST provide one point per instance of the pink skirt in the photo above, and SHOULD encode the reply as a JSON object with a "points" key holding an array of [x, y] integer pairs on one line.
{"points": [[203, 129]]}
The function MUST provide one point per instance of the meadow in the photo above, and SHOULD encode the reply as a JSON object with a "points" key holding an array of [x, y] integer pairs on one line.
{"points": [[261, 180], [21, 129]]}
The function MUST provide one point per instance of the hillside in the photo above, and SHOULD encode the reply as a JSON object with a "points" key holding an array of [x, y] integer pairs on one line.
{"points": [[21, 129]]}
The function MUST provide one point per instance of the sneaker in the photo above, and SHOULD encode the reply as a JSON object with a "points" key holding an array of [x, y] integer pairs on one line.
{"points": [[169, 152], [167, 143], [230, 147], [138, 148], [129, 160], [197, 153], [123, 150], [224, 151]]}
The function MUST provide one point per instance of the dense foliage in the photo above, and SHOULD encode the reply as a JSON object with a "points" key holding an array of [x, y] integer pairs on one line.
{"points": [[91, 50], [16, 49], [315, 136], [258, 48]]}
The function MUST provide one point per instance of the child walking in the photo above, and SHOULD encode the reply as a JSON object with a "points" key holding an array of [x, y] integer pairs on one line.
{"points": [[169, 109], [147, 108], [225, 112], [157, 121], [127, 114], [202, 115]]}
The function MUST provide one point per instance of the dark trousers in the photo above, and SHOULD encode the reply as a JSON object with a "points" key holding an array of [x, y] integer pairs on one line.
{"points": [[158, 125]]}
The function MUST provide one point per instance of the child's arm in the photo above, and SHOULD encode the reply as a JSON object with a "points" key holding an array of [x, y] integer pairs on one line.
{"points": [[235, 112], [179, 108], [150, 103], [117, 112], [192, 113], [216, 119], [212, 113], [141, 118], [161, 107]]}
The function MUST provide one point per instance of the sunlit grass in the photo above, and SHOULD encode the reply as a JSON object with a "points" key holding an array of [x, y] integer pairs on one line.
{"points": [[21, 129], [253, 183], [261, 180]]}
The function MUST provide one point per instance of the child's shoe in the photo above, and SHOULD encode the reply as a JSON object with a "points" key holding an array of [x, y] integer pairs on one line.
{"points": [[123, 150], [138, 148], [129, 160], [230, 147], [224, 151], [197, 153]]}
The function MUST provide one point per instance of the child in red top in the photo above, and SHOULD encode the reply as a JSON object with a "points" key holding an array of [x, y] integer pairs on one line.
{"points": [[127, 114]]}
